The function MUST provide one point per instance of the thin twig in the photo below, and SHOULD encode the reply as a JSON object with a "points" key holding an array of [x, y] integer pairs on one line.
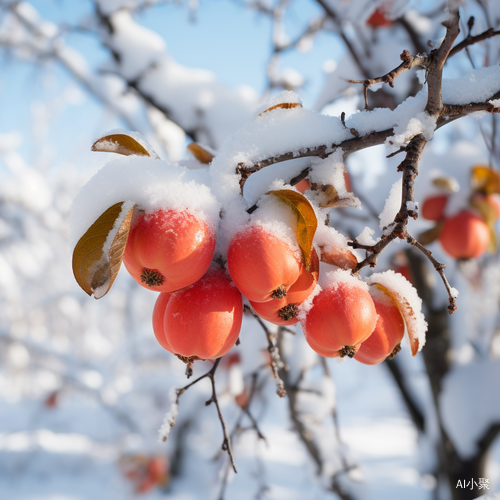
{"points": [[439, 267], [408, 63], [471, 40], [274, 354], [226, 444]]}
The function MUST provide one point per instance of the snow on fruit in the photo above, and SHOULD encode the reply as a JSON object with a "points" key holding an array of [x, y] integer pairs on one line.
{"points": [[168, 250], [342, 316]]}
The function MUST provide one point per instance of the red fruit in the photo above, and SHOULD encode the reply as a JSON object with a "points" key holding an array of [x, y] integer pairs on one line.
{"points": [[388, 332], [168, 250], [157, 469], [302, 186], [379, 20], [201, 321], [342, 316], [284, 311], [465, 236], [433, 207], [262, 266]]}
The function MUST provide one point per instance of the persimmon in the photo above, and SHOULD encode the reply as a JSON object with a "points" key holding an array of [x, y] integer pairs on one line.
{"points": [[262, 266], [201, 321], [379, 20], [465, 236], [284, 311], [388, 331], [168, 250], [342, 316], [157, 469], [433, 207]]}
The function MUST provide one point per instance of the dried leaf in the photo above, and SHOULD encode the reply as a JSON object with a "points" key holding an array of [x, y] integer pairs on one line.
{"points": [[447, 185], [306, 219], [407, 311], [489, 215], [283, 105], [329, 197], [121, 144], [95, 270], [485, 179], [338, 256], [201, 154], [431, 235]]}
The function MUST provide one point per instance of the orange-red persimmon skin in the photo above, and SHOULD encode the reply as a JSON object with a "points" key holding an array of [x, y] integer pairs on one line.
{"points": [[297, 293], [176, 244], [201, 321], [260, 263], [342, 316], [433, 207], [388, 332], [465, 236]]}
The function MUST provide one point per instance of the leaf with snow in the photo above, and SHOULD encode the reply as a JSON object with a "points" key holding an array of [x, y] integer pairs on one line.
{"points": [[121, 144], [408, 302], [98, 254], [306, 219], [200, 153]]}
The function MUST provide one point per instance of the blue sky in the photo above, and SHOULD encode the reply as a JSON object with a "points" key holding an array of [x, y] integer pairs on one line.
{"points": [[222, 36]]}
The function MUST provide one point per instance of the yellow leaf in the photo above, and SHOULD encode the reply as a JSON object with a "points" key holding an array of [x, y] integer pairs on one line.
{"points": [[201, 154], [413, 319], [431, 235], [306, 219], [121, 144], [485, 179], [95, 266], [489, 215], [283, 105]]}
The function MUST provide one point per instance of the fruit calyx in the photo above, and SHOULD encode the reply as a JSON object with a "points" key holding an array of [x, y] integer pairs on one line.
{"points": [[152, 277], [347, 350], [288, 312], [279, 293]]}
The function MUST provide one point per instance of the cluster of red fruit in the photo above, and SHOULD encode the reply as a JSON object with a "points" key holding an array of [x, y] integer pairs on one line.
{"points": [[466, 234], [145, 472], [198, 313]]}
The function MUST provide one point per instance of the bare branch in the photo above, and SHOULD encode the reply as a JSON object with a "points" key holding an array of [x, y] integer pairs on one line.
{"points": [[439, 267], [436, 63], [226, 444], [274, 355], [471, 40], [408, 63]]}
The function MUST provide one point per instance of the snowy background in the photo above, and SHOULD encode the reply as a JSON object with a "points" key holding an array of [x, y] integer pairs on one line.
{"points": [[84, 386]]}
